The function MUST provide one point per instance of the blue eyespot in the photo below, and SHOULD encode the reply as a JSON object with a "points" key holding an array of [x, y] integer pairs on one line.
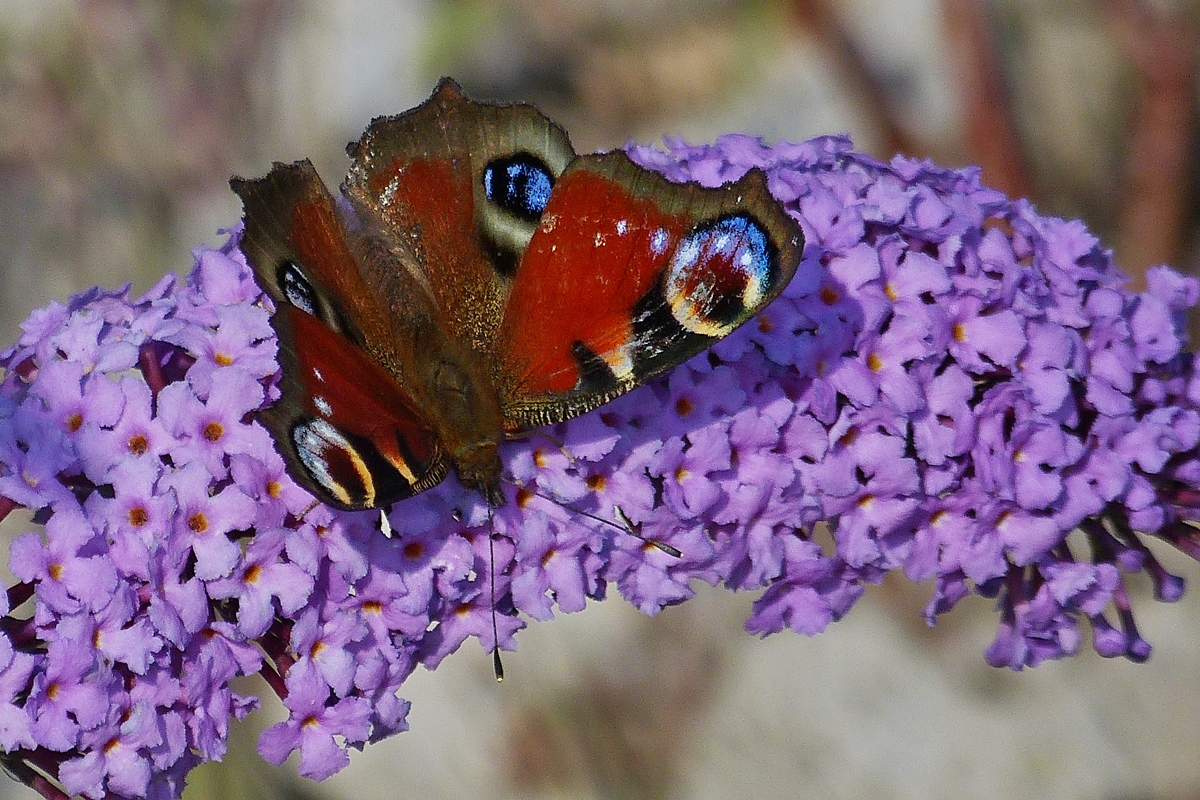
{"points": [[520, 184], [296, 287], [721, 274]]}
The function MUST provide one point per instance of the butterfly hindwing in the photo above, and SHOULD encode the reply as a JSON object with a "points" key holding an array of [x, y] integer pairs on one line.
{"points": [[467, 182]]}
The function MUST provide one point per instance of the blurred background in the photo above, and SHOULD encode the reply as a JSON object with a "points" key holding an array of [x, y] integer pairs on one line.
{"points": [[121, 121]]}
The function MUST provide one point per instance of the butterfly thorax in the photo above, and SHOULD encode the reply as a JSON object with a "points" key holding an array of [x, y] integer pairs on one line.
{"points": [[468, 420], [478, 467]]}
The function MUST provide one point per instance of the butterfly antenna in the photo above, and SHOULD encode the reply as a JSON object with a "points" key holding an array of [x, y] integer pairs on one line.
{"points": [[627, 525], [497, 665], [633, 529]]}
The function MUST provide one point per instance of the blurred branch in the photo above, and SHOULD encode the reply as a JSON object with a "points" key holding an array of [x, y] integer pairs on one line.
{"points": [[992, 139], [854, 70], [1153, 218]]}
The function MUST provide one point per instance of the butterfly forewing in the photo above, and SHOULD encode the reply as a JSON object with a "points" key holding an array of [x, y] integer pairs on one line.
{"points": [[349, 428], [670, 269], [345, 422]]}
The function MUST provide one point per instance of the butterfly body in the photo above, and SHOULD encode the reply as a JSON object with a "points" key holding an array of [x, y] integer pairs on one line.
{"points": [[477, 279]]}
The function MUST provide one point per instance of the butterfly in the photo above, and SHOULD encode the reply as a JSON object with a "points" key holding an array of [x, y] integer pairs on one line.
{"points": [[475, 279]]}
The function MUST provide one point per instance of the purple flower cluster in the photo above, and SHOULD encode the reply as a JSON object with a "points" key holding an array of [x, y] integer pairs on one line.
{"points": [[952, 385]]}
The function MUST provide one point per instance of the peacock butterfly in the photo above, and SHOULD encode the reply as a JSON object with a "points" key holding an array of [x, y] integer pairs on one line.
{"points": [[479, 278]]}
